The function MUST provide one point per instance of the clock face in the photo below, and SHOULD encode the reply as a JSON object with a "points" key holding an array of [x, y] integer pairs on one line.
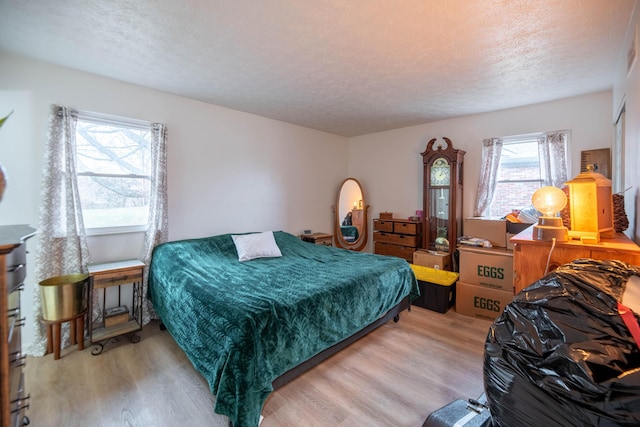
{"points": [[440, 172]]}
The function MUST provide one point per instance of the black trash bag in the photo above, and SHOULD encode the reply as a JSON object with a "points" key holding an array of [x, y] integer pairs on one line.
{"points": [[561, 355]]}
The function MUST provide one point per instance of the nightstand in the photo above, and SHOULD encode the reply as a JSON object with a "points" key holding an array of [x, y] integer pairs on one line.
{"points": [[318, 238], [119, 316]]}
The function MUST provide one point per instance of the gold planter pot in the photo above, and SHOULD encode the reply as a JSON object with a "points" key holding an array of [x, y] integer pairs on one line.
{"points": [[64, 297]]}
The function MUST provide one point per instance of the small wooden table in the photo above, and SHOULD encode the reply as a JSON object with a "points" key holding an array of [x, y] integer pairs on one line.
{"points": [[318, 238], [103, 277]]}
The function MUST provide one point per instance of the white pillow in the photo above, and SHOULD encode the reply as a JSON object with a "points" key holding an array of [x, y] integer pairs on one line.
{"points": [[256, 245]]}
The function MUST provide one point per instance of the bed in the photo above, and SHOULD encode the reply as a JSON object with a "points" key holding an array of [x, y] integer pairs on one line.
{"points": [[349, 232], [251, 326]]}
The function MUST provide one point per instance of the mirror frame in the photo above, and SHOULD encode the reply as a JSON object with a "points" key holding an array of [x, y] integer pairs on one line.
{"points": [[340, 242]]}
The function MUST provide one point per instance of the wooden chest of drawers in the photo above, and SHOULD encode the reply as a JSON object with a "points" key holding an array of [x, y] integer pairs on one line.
{"points": [[13, 267], [397, 237]]}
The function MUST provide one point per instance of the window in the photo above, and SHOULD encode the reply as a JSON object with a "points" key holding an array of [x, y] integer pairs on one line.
{"points": [[521, 172], [114, 172]]}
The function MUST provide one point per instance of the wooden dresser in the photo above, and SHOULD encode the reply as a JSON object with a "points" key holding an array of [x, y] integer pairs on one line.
{"points": [[14, 400], [356, 219], [397, 237], [530, 256]]}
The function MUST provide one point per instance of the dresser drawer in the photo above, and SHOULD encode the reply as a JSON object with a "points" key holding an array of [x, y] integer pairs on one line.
{"points": [[407, 228], [394, 250], [13, 302], [325, 242], [120, 277], [13, 317], [396, 239], [381, 225], [19, 402], [16, 358], [16, 264], [323, 239], [15, 339], [16, 362]]}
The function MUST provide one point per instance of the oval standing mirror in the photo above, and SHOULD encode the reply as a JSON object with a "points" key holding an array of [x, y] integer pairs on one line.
{"points": [[350, 228]]}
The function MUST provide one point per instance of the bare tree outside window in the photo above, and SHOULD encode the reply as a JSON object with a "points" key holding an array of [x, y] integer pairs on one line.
{"points": [[113, 169]]}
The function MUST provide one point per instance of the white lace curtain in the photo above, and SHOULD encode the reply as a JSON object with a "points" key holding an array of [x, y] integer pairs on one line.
{"points": [[553, 166], [491, 151], [553, 158], [157, 224], [62, 242]]}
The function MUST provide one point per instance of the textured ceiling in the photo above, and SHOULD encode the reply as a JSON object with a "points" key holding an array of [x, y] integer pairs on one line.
{"points": [[348, 67]]}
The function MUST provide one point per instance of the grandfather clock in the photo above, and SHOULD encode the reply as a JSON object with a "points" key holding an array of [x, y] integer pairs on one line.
{"points": [[442, 195]]}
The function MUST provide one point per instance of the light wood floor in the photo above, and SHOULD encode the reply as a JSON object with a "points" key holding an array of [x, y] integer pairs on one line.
{"points": [[395, 376]]}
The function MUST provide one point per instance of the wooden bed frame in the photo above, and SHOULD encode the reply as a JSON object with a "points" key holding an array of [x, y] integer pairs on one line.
{"points": [[234, 397], [303, 367], [296, 371]]}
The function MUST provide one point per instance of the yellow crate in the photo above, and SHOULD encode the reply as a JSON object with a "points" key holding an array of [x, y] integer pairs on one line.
{"points": [[439, 277]]}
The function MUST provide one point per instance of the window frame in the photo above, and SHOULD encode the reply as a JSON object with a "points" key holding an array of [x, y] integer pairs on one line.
{"points": [[115, 121], [527, 138]]}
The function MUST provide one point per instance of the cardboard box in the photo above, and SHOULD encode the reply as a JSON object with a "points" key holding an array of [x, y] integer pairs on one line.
{"points": [[489, 228], [116, 320], [517, 227], [488, 267], [440, 260], [115, 316], [437, 288], [481, 302]]}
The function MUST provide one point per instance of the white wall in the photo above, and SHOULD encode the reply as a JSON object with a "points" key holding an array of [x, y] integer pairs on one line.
{"points": [[227, 171], [626, 92], [389, 164]]}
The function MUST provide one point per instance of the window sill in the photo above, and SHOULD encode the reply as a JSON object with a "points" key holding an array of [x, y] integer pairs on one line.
{"points": [[116, 230]]}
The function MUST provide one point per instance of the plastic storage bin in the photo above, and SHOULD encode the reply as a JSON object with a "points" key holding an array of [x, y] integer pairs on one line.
{"points": [[437, 288]]}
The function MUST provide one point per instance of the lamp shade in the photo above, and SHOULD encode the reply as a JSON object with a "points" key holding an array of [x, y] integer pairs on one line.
{"points": [[549, 200]]}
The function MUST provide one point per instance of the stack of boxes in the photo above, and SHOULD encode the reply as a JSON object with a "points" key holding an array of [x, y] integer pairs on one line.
{"points": [[486, 281], [485, 284]]}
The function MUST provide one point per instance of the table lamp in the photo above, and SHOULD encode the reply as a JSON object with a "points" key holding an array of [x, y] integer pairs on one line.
{"points": [[590, 206], [549, 201]]}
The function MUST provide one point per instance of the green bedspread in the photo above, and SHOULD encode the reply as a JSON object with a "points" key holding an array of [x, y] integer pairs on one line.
{"points": [[242, 324], [350, 231]]}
